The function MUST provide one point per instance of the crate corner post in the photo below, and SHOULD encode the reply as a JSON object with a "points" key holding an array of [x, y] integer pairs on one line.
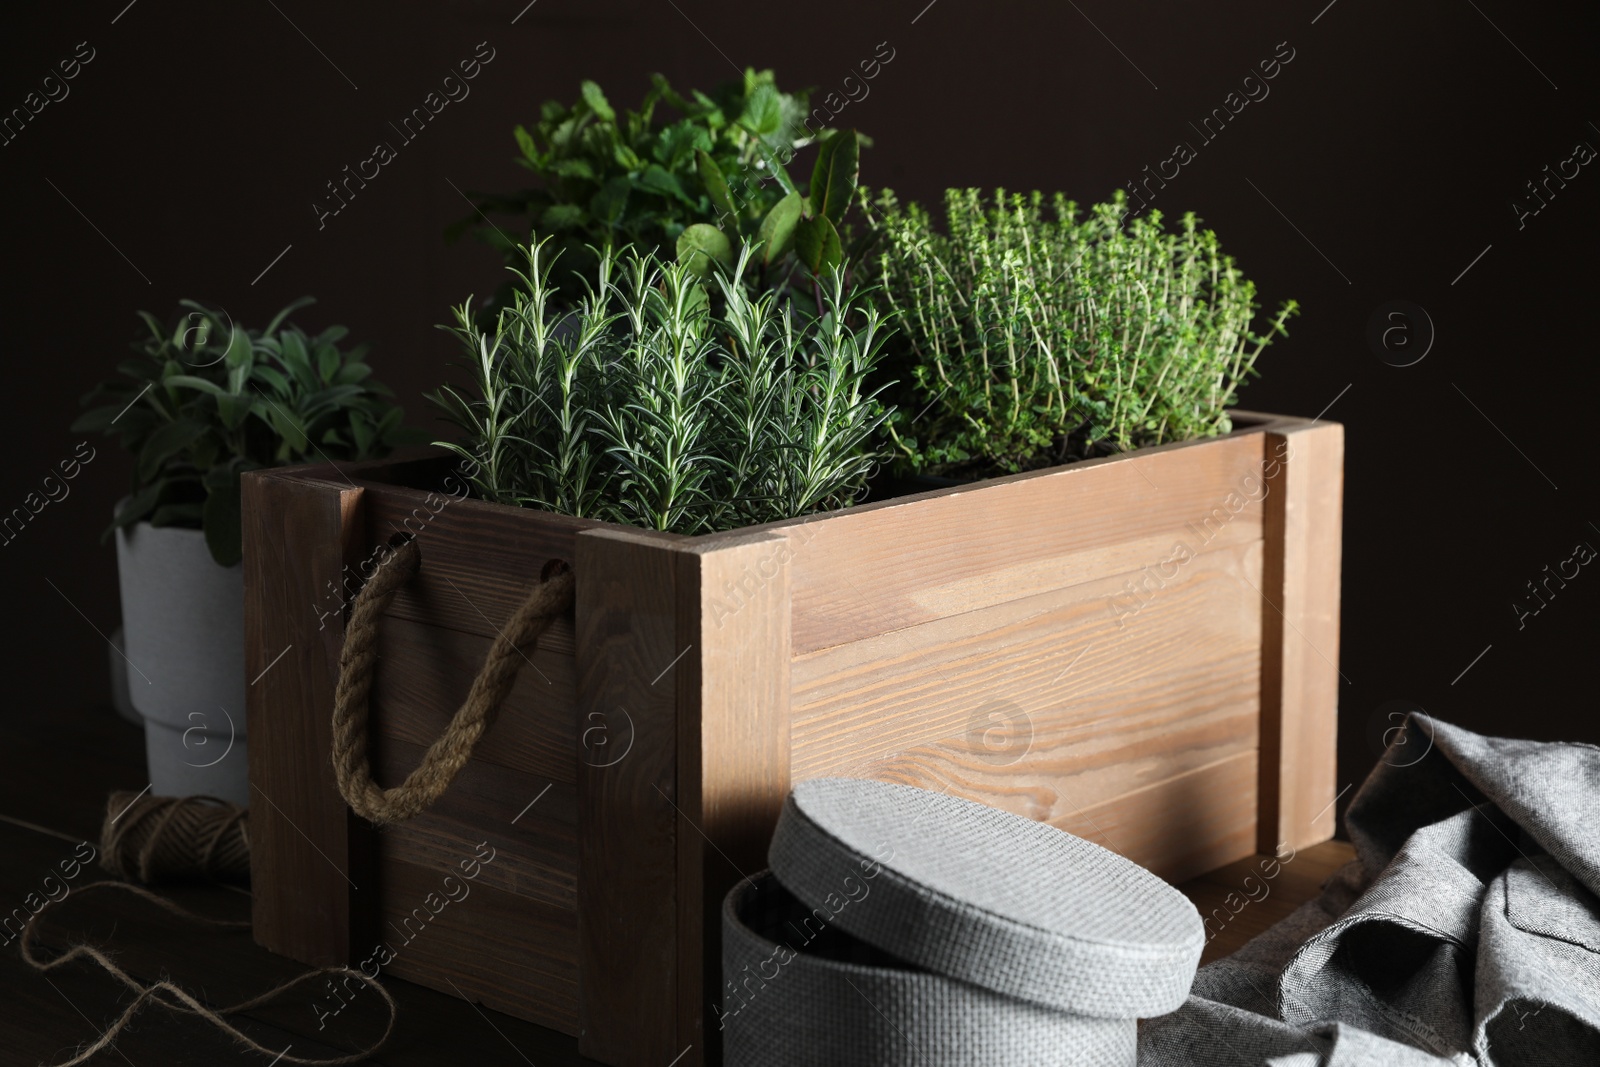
{"points": [[1300, 677], [733, 749], [308, 851]]}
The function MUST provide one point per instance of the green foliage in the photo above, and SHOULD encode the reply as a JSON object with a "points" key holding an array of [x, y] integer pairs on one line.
{"points": [[1036, 336], [653, 405], [608, 178], [210, 400]]}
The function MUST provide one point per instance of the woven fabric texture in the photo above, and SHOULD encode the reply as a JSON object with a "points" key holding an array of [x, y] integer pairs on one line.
{"points": [[1466, 932], [994, 899], [783, 1007]]}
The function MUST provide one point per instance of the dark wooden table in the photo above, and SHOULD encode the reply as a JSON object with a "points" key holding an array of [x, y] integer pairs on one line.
{"points": [[58, 768]]}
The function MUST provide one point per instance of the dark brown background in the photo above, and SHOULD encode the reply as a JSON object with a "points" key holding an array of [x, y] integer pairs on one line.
{"points": [[1395, 141]]}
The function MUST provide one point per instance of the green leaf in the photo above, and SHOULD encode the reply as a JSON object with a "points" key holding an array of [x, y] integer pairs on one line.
{"points": [[189, 381], [833, 178], [224, 523], [715, 184], [166, 443], [702, 243], [657, 179], [777, 229], [239, 359], [763, 111], [529, 150], [298, 361], [361, 432], [782, 176], [273, 377], [327, 362], [816, 242], [559, 217], [140, 504], [278, 319], [611, 201], [353, 372], [597, 101], [234, 409]]}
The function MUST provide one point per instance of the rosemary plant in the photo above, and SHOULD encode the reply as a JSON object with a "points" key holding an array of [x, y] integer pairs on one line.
{"points": [[653, 405], [1035, 336]]}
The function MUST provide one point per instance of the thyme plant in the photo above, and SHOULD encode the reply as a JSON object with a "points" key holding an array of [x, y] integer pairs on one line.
{"points": [[1035, 335], [653, 405]]}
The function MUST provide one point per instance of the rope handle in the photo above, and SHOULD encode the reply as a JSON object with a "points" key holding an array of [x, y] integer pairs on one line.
{"points": [[548, 600]]}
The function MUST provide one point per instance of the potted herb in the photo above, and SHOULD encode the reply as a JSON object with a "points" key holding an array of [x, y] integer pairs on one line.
{"points": [[1138, 647], [684, 175], [1033, 336], [659, 407], [203, 402]]}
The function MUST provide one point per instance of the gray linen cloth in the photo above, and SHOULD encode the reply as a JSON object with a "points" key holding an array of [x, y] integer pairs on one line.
{"points": [[1466, 931]]}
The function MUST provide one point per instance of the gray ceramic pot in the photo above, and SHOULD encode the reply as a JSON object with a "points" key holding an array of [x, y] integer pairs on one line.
{"points": [[183, 620]]}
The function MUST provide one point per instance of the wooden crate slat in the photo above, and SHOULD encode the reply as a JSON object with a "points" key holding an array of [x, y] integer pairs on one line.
{"points": [[504, 951], [1300, 635], [733, 754], [1182, 826], [1058, 656], [898, 564], [310, 858], [537, 845], [627, 871], [478, 559], [424, 673], [1046, 771]]}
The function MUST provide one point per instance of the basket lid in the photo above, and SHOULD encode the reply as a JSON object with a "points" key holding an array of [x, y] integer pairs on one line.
{"points": [[975, 893]]}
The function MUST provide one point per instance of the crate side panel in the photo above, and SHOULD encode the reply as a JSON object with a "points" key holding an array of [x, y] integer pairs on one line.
{"points": [[425, 672], [503, 951], [879, 569], [1065, 657], [1056, 703], [531, 820], [1182, 826], [478, 559]]}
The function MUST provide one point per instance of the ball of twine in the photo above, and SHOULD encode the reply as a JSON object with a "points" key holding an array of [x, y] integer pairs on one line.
{"points": [[172, 839]]}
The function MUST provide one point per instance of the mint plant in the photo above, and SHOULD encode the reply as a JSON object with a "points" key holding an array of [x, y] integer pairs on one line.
{"points": [[1033, 335], [606, 177]]}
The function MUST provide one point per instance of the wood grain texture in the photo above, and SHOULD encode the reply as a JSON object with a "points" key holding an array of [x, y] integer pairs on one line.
{"points": [[308, 854], [733, 750], [1300, 634], [1180, 826], [531, 821], [424, 673], [1063, 661], [479, 944], [627, 872], [882, 567], [478, 559]]}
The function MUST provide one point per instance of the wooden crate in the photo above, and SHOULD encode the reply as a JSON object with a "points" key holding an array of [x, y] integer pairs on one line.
{"points": [[1040, 643]]}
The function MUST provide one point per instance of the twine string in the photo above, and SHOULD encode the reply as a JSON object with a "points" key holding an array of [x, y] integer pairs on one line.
{"points": [[548, 600]]}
